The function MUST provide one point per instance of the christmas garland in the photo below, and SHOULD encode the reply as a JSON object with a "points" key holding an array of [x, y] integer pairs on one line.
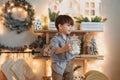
{"points": [[38, 43], [17, 24]]}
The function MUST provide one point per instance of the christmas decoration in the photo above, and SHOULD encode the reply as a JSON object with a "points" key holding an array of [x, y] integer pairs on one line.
{"points": [[39, 43], [78, 77], [3, 47], [45, 20], [87, 44], [81, 45], [94, 46], [18, 15], [37, 24]]}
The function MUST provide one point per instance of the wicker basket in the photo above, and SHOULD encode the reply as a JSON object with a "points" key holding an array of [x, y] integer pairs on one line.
{"points": [[95, 75]]}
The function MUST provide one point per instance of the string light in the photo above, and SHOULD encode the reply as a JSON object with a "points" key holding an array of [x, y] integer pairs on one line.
{"points": [[1, 32], [26, 6], [9, 10], [48, 68], [1, 28], [22, 11], [12, 4]]}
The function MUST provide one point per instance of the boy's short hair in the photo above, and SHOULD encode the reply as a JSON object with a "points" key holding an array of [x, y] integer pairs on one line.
{"points": [[62, 19]]}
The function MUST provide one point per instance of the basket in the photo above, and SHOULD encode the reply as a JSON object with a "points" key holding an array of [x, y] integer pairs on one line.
{"points": [[95, 75]]}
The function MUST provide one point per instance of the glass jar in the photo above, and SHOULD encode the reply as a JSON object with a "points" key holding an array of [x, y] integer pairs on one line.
{"points": [[75, 44]]}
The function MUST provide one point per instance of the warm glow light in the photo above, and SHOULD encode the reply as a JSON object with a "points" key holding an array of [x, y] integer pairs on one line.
{"points": [[2, 21], [9, 10], [1, 32], [48, 68], [98, 64], [2, 59], [1, 29], [14, 9], [35, 63], [33, 7], [19, 13], [25, 13], [20, 9], [35, 66], [26, 6], [1, 11], [3, 5], [12, 4], [28, 50], [100, 43]]}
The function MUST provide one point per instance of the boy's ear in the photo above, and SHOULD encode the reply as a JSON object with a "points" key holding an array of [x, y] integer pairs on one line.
{"points": [[59, 26]]}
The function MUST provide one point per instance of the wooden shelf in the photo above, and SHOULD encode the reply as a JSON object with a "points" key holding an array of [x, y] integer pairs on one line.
{"points": [[81, 57], [98, 57], [41, 57], [54, 31]]}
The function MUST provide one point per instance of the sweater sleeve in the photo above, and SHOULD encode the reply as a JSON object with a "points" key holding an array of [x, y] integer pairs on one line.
{"points": [[52, 47]]}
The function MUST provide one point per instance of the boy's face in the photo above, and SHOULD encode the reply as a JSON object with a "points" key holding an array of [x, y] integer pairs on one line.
{"points": [[65, 28]]}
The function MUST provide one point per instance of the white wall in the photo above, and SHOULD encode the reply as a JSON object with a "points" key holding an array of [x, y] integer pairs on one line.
{"points": [[111, 10]]}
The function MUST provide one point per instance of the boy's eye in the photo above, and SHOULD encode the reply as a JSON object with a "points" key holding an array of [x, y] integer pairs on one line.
{"points": [[69, 25]]}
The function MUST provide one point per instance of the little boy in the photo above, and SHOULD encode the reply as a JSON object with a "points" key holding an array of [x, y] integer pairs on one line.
{"points": [[61, 57]]}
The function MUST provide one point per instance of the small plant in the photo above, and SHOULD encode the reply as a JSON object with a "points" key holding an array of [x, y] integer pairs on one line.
{"points": [[52, 15], [98, 19], [81, 19], [86, 19]]}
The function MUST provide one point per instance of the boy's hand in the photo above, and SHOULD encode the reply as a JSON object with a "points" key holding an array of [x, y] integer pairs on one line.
{"points": [[67, 47]]}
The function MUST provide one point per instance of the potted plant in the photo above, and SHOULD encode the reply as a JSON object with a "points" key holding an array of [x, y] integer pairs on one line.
{"points": [[93, 24], [52, 16]]}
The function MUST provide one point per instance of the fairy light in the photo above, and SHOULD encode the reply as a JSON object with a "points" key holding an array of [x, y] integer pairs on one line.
{"points": [[0, 11], [20, 9], [35, 66], [100, 43], [48, 68], [26, 6], [98, 64], [1, 32], [2, 59], [12, 4], [1, 29], [14, 9], [9, 10], [28, 50], [25, 14]]}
